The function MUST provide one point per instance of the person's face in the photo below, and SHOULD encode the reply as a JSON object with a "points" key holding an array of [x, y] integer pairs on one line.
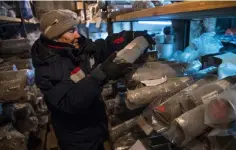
{"points": [[70, 37]]}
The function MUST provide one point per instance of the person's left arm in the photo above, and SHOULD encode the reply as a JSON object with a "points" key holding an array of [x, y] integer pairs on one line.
{"points": [[116, 42]]}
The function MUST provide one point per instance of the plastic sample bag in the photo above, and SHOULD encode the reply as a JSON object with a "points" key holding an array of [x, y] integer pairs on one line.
{"points": [[207, 44], [132, 51], [153, 71], [222, 142], [226, 69], [188, 55], [221, 111], [143, 96], [14, 46], [7, 67], [116, 106], [27, 125], [197, 145], [125, 142], [187, 127], [123, 128], [172, 107], [11, 139], [190, 100], [12, 85]]}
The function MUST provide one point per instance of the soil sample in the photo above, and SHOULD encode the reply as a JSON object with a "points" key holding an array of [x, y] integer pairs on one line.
{"points": [[143, 96]]}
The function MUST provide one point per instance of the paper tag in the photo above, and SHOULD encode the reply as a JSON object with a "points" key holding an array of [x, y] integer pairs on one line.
{"points": [[88, 23], [98, 22], [154, 82], [207, 98], [223, 84]]}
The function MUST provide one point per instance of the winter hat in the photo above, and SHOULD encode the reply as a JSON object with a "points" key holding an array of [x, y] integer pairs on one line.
{"points": [[57, 22]]}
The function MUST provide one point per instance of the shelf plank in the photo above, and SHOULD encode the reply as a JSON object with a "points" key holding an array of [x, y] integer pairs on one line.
{"points": [[5, 19], [183, 10]]}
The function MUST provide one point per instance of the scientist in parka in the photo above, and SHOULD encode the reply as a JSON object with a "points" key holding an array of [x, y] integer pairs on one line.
{"points": [[71, 83]]}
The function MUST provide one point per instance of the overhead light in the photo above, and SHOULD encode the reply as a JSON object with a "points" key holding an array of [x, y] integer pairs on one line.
{"points": [[155, 22]]}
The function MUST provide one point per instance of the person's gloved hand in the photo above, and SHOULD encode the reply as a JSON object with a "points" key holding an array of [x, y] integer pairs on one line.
{"points": [[146, 36], [111, 70]]}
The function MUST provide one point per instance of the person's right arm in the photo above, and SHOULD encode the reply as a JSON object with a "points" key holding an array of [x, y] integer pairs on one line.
{"points": [[73, 98], [70, 97]]}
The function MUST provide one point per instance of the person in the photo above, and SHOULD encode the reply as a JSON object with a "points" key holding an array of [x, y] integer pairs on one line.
{"points": [[71, 83]]}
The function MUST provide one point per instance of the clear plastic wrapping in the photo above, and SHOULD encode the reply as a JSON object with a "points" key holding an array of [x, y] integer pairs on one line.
{"points": [[107, 90], [40, 106], [204, 94], [173, 106], [197, 145], [152, 71], [23, 111], [122, 129], [226, 69], [191, 124], [26, 119], [222, 142], [210, 91], [27, 125], [207, 44], [14, 46], [125, 142], [22, 115], [116, 119], [12, 85], [221, 111], [7, 67], [132, 51], [143, 96], [11, 90], [187, 127], [11, 139], [115, 106]]}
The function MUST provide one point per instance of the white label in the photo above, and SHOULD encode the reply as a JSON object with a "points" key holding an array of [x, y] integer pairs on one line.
{"points": [[154, 82], [223, 84], [207, 98]]}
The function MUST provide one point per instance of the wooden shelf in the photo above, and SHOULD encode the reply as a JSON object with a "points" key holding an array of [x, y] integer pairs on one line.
{"points": [[5, 19], [183, 10]]}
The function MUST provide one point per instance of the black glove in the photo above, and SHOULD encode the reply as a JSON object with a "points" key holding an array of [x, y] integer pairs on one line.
{"points": [[147, 37], [111, 69]]}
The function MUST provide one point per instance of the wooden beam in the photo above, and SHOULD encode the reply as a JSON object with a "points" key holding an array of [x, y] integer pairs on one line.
{"points": [[14, 20], [184, 10]]}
